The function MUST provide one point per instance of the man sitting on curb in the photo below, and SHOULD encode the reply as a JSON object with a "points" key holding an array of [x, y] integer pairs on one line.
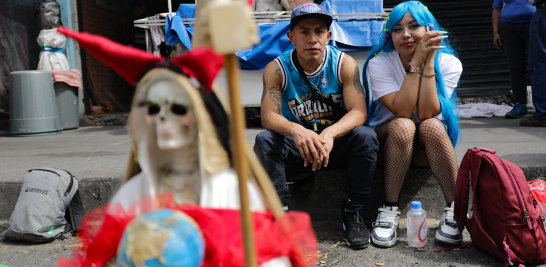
{"points": [[318, 120]]}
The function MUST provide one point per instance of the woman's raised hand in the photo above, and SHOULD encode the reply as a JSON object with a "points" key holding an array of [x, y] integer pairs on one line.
{"points": [[430, 42]]}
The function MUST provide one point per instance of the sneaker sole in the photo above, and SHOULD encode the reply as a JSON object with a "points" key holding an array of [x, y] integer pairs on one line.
{"points": [[516, 117], [382, 244], [356, 246], [511, 116], [447, 241]]}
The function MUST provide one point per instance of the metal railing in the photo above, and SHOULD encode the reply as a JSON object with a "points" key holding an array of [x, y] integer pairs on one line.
{"points": [[270, 17]]}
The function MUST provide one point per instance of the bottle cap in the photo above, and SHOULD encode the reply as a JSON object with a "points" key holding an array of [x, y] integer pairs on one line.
{"points": [[416, 205]]}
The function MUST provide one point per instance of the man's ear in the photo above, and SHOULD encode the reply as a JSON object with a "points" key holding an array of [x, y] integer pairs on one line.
{"points": [[329, 35], [290, 36]]}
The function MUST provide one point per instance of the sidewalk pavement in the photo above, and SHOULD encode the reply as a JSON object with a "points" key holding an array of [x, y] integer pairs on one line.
{"points": [[98, 157]]}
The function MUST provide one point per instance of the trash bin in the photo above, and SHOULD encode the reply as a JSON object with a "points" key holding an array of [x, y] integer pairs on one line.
{"points": [[68, 105], [32, 104]]}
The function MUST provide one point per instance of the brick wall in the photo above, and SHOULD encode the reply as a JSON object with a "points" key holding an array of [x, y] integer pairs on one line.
{"points": [[108, 85]]}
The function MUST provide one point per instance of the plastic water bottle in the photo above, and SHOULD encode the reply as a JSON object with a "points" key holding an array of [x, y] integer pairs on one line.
{"points": [[417, 225]]}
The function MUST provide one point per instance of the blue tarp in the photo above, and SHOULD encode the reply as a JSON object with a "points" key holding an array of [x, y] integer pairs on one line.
{"points": [[347, 35], [356, 33]]}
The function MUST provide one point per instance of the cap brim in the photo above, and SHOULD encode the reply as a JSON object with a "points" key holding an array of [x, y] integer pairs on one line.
{"points": [[326, 18]]}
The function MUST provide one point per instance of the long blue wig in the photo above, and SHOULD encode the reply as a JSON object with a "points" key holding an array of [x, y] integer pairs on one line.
{"points": [[422, 15]]}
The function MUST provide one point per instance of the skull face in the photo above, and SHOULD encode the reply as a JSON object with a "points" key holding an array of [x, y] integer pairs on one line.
{"points": [[170, 109]]}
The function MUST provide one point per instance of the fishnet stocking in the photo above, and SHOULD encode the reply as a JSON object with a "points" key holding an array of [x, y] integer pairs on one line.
{"points": [[441, 155], [398, 147]]}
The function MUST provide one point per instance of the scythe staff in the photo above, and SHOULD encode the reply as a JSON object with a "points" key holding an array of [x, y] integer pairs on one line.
{"points": [[231, 28]]}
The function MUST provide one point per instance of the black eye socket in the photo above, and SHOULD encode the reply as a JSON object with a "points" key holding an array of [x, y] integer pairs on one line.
{"points": [[153, 109], [179, 109]]}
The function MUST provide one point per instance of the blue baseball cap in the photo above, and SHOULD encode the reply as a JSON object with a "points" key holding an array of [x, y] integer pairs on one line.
{"points": [[310, 10]]}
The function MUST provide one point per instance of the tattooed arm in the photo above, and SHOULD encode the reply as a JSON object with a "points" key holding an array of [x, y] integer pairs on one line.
{"points": [[272, 101], [308, 142]]}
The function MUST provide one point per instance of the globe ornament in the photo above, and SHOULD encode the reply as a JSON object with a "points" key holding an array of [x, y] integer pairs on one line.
{"points": [[161, 238]]}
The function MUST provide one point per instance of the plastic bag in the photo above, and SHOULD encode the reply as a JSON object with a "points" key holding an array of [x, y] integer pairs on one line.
{"points": [[48, 15], [537, 187]]}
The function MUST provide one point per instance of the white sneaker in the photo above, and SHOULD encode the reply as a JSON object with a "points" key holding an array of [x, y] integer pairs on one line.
{"points": [[384, 227], [449, 232]]}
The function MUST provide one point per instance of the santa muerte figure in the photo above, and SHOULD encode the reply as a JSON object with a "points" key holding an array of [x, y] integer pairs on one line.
{"points": [[180, 160]]}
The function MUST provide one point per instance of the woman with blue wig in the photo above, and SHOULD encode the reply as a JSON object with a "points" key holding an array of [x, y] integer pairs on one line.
{"points": [[410, 79]]}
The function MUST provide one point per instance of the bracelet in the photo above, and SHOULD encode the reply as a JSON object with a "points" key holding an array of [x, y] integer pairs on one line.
{"points": [[428, 75], [413, 68]]}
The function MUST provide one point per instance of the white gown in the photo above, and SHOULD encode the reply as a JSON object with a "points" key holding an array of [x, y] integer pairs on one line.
{"points": [[220, 191]]}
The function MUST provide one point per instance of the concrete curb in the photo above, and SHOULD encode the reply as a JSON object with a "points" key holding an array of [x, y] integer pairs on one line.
{"points": [[322, 202], [104, 120]]}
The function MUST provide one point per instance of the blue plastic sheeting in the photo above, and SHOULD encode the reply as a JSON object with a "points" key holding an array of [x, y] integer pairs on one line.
{"points": [[175, 30], [359, 33], [347, 35], [274, 42]]}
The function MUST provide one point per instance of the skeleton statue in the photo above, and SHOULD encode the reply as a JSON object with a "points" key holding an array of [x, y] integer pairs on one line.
{"points": [[171, 112], [180, 144], [178, 127], [203, 31], [178, 147]]}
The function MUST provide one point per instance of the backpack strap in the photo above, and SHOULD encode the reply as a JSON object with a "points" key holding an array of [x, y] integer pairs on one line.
{"points": [[75, 211], [512, 259], [483, 149], [299, 68], [461, 190], [468, 174], [467, 245]]}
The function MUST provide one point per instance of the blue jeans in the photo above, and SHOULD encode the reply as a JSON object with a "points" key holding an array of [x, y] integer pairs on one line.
{"points": [[537, 61], [356, 150]]}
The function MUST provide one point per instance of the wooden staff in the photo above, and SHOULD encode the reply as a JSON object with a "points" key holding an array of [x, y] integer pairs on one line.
{"points": [[264, 183], [237, 127], [229, 24], [265, 186]]}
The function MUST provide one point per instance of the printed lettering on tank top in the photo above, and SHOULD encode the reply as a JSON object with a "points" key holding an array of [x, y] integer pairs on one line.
{"points": [[301, 107]]}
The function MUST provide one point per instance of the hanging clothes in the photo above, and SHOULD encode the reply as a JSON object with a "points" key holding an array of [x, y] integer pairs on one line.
{"points": [[154, 37], [52, 56]]}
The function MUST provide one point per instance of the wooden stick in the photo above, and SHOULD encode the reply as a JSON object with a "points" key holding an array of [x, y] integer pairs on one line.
{"points": [[265, 185], [237, 127], [271, 198]]}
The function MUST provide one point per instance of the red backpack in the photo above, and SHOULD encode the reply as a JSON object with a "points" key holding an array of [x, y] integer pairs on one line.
{"points": [[505, 223]]}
